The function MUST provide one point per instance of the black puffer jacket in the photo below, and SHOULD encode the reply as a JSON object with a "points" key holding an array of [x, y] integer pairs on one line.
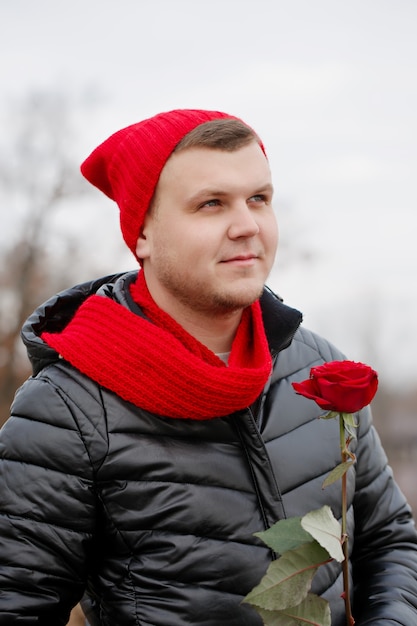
{"points": [[155, 516]]}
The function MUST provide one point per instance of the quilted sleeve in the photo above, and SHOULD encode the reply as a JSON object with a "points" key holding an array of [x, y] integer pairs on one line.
{"points": [[385, 549], [47, 507]]}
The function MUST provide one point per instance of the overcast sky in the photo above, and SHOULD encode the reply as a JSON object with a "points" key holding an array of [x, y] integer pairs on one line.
{"points": [[331, 87]]}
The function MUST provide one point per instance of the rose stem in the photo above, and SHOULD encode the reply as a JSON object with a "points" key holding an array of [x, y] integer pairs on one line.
{"points": [[345, 565]]}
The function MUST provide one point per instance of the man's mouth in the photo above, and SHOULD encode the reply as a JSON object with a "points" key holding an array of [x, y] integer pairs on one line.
{"points": [[241, 259]]}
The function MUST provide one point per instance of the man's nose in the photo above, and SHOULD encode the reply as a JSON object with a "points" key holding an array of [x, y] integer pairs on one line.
{"points": [[243, 221]]}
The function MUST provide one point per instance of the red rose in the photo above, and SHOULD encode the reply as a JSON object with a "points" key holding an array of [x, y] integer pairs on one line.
{"points": [[341, 386]]}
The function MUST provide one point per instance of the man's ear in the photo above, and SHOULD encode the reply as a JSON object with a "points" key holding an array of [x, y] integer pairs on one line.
{"points": [[142, 244]]}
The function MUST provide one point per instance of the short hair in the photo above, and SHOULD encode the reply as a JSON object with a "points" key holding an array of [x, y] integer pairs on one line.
{"points": [[219, 134]]}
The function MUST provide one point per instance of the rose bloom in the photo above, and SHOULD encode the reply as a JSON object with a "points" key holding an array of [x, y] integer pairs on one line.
{"points": [[340, 386]]}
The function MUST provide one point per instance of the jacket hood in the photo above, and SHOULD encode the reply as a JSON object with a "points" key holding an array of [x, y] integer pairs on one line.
{"points": [[281, 321], [53, 315]]}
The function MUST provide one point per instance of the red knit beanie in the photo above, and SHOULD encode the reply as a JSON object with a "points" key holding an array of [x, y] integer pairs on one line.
{"points": [[126, 167]]}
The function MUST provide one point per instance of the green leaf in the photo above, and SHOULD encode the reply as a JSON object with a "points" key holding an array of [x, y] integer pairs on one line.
{"points": [[313, 611], [350, 418], [350, 423], [288, 580], [286, 534], [330, 415], [337, 473], [324, 527]]}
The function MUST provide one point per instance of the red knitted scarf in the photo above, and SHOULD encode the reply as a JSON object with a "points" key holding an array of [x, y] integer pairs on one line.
{"points": [[157, 365]]}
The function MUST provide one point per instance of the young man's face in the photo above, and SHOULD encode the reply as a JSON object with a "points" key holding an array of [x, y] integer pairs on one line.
{"points": [[210, 240]]}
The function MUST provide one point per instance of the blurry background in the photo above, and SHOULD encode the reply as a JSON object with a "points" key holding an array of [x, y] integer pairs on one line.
{"points": [[330, 87]]}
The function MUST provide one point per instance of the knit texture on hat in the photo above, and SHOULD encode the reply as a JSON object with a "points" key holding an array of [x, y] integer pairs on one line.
{"points": [[157, 365], [126, 167]]}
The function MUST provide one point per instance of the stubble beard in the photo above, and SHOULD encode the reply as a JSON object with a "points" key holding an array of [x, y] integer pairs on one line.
{"points": [[213, 302], [228, 303], [220, 295]]}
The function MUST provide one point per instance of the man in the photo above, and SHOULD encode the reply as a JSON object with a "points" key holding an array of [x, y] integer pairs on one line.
{"points": [[160, 430]]}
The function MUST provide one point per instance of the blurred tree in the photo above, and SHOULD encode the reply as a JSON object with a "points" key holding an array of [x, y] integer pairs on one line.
{"points": [[37, 175]]}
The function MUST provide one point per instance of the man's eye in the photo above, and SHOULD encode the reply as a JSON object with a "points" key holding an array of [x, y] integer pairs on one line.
{"points": [[257, 198], [210, 203]]}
